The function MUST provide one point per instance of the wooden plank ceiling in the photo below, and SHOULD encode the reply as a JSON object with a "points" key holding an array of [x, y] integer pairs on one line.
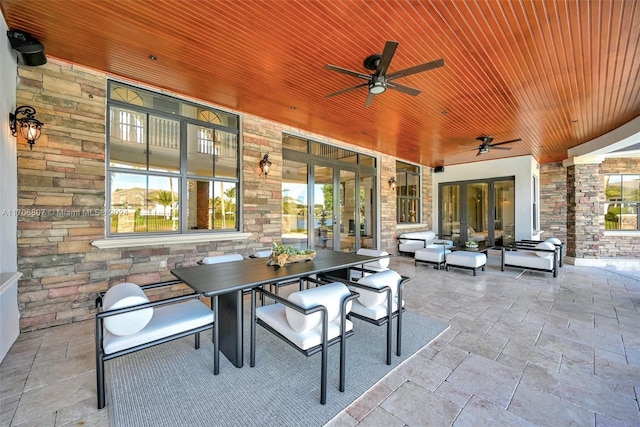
{"points": [[553, 73]]}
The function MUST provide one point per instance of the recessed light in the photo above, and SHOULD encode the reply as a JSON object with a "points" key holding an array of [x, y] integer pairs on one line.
{"points": [[153, 57]]}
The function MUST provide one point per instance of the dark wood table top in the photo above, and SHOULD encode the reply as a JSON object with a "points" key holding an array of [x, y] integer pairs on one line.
{"points": [[216, 279]]}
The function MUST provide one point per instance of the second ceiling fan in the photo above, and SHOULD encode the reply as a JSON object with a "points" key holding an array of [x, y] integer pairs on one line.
{"points": [[379, 81], [486, 145]]}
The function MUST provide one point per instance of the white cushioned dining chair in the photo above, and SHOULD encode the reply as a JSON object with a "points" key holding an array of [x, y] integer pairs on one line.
{"points": [[127, 321], [310, 321], [379, 302], [218, 259], [378, 265]]}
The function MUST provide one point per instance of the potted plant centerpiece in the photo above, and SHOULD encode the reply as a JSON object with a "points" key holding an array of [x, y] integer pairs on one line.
{"points": [[281, 254], [471, 244]]}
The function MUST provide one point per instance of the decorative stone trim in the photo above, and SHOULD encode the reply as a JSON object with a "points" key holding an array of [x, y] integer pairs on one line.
{"points": [[130, 242]]}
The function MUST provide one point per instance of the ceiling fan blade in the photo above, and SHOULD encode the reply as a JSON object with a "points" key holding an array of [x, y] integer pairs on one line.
{"points": [[369, 100], [349, 89], [506, 142], [387, 54], [404, 89], [500, 148], [347, 72], [485, 139], [416, 69], [479, 152]]}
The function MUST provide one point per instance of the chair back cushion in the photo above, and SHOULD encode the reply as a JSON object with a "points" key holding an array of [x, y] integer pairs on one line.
{"points": [[330, 296], [126, 295], [545, 245], [217, 259], [377, 281], [553, 240], [381, 263]]}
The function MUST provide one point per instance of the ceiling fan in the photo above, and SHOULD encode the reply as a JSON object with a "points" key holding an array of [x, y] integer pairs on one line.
{"points": [[379, 81], [486, 145]]}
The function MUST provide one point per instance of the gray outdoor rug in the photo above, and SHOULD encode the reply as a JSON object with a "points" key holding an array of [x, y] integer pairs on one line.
{"points": [[173, 384]]}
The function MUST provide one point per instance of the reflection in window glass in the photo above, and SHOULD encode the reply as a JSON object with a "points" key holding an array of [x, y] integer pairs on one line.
{"points": [[622, 194], [295, 207], [179, 151], [144, 203], [407, 193]]}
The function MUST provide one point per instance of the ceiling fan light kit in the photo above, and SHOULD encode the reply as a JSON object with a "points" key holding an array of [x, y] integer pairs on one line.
{"points": [[378, 81], [377, 85]]}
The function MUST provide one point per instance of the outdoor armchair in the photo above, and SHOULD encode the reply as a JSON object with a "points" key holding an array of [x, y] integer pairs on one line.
{"points": [[310, 321], [127, 321], [379, 302]]}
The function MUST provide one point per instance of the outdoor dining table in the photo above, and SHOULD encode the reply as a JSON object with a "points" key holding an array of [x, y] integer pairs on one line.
{"points": [[225, 282]]}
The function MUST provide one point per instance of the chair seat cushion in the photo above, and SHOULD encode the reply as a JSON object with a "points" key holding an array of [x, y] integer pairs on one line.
{"points": [[218, 259], [167, 320], [330, 296], [377, 312], [527, 259], [466, 259], [435, 254], [545, 245], [553, 240], [377, 281], [125, 295], [274, 315], [382, 263]]}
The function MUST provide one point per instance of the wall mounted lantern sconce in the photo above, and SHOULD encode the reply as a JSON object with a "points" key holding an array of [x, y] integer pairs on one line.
{"points": [[265, 165], [392, 183], [24, 118]]}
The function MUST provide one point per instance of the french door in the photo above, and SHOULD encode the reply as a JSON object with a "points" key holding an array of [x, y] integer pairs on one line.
{"points": [[343, 208], [481, 211]]}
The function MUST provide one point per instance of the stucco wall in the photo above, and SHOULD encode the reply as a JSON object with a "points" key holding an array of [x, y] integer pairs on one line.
{"points": [[8, 195]]}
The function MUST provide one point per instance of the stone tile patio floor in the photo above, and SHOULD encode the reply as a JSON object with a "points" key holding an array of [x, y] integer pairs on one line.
{"points": [[521, 350]]}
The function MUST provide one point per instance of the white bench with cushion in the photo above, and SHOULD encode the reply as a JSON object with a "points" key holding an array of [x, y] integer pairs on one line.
{"points": [[127, 321], [432, 255], [541, 257], [469, 260], [409, 243]]}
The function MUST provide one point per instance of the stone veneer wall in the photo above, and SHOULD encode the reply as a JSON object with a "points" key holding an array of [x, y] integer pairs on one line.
{"points": [[553, 201], [61, 199], [586, 237], [584, 187], [619, 246]]}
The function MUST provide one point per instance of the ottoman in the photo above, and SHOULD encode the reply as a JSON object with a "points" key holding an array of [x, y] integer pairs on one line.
{"points": [[469, 260], [434, 256]]}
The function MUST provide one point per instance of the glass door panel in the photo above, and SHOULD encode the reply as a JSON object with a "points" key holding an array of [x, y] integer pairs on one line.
{"points": [[348, 220], [295, 206], [323, 213], [367, 201], [505, 213], [478, 212], [450, 212]]}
